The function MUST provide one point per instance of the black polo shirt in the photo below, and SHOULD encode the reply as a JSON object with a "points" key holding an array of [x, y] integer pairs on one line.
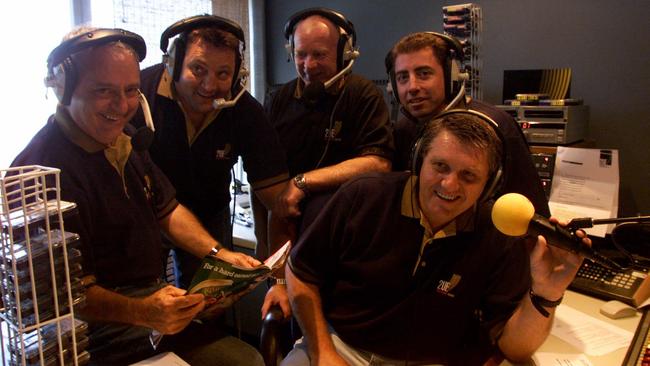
{"points": [[354, 119], [520, 174], [362, 252], [118, 214], [200, 168]]}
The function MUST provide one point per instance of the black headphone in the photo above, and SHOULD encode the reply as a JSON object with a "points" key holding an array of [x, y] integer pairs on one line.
{"points": [[62, 74], [174, 56], [453, 75], [494, 182], [346, 49]]}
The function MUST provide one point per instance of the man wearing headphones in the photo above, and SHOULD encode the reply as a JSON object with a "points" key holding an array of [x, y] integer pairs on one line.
{"points": [[426, 80], [123, 202], [420, 275], [332, 124], [205, 120]]}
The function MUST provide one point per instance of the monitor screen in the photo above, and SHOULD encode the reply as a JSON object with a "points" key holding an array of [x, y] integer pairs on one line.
{"points": [[554, 82]]}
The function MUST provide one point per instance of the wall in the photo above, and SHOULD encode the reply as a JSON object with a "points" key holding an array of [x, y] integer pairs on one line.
{"points": [[604, 42]]}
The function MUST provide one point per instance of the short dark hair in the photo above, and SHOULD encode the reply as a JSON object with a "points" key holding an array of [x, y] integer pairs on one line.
{"points": [[216, 37], [418, 41], [471, 130]]}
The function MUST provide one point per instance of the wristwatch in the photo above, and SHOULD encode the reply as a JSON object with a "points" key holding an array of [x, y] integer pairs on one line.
{"points": [[301, 182], [278, 281], [214, 251]]}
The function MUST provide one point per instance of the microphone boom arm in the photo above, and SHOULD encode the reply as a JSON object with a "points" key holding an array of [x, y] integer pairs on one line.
{"points": [[336, 77], [587, 222]]}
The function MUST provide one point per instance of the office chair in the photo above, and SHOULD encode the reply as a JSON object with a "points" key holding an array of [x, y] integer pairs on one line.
{"points": [[277, 336]]}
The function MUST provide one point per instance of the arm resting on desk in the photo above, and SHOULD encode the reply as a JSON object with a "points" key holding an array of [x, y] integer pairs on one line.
{"points": [[552, 270], [525, 331]]}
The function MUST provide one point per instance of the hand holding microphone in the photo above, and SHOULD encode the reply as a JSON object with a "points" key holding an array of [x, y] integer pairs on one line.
{"points": [[514, 215]]}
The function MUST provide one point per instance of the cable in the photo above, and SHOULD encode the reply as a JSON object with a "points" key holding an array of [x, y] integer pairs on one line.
{"points": [[234, 210], [329, 130], [235, 314], [452, 104]]}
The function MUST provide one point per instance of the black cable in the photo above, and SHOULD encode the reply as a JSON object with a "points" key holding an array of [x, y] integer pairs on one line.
{"points": [[329, 130], [234, 209], [235, 314]]}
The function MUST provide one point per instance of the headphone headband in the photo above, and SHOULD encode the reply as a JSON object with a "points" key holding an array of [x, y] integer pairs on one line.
{"points": [[473, 112], [452, 43], [201, 21], [96, 38], [61, 60], [335, 17], [175, 56]]}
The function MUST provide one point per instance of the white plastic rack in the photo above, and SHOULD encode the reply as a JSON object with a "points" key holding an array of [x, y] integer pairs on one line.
{"points": [[40, 270]]}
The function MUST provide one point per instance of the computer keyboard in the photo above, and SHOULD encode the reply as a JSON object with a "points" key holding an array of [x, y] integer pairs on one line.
{"points": [[595, 280]]}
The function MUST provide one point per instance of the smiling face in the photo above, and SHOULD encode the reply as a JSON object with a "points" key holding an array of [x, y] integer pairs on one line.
{"points": [[420, 83], [106, 97], [452, 178], [315, 45], [206, 75]]}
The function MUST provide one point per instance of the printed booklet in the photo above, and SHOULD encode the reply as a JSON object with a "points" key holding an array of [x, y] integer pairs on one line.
{"points": [[227, 282]]}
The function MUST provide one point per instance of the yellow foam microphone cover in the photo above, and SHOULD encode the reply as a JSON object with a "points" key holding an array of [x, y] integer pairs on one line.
{"points": [[512, 213]]}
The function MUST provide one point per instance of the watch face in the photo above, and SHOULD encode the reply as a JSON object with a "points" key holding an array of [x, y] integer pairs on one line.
{"points": [[300, 182]]}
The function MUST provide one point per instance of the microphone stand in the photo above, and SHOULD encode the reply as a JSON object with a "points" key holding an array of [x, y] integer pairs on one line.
{"points": [[587, 222]]}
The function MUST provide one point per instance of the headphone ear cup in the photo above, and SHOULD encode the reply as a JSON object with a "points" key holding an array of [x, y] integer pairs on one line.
{"points": [[393, 85], [169, 58], [349, 52], [56, 80], [448, 82], [175, 56], [416, 159], [454, 77], [492, 186], [340, 52], [68, 80], [289, 48], [239, 80]]}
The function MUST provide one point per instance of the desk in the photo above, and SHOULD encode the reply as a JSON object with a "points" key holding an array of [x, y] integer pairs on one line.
{"points": [[589, 306], [243, 237]]}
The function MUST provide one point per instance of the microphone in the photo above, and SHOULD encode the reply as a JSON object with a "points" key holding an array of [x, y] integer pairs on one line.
{"points": [[315, 89], [514, 215], [143, 137], [221, 103]]}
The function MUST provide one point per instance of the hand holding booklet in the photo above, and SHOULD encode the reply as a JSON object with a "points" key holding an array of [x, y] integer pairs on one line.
{"points": [[227, 282]]}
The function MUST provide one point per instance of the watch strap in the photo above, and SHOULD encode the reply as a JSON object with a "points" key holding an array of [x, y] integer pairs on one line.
{"points": [[541, 303], [278, 281]]}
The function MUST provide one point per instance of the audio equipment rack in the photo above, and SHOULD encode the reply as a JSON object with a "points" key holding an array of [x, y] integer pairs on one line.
{"points": [[465, 22]]}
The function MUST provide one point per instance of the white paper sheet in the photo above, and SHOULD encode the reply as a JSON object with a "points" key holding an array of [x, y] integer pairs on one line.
{"points": [[560, 359], [588, 334], [585, 184], [163, 359]]}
